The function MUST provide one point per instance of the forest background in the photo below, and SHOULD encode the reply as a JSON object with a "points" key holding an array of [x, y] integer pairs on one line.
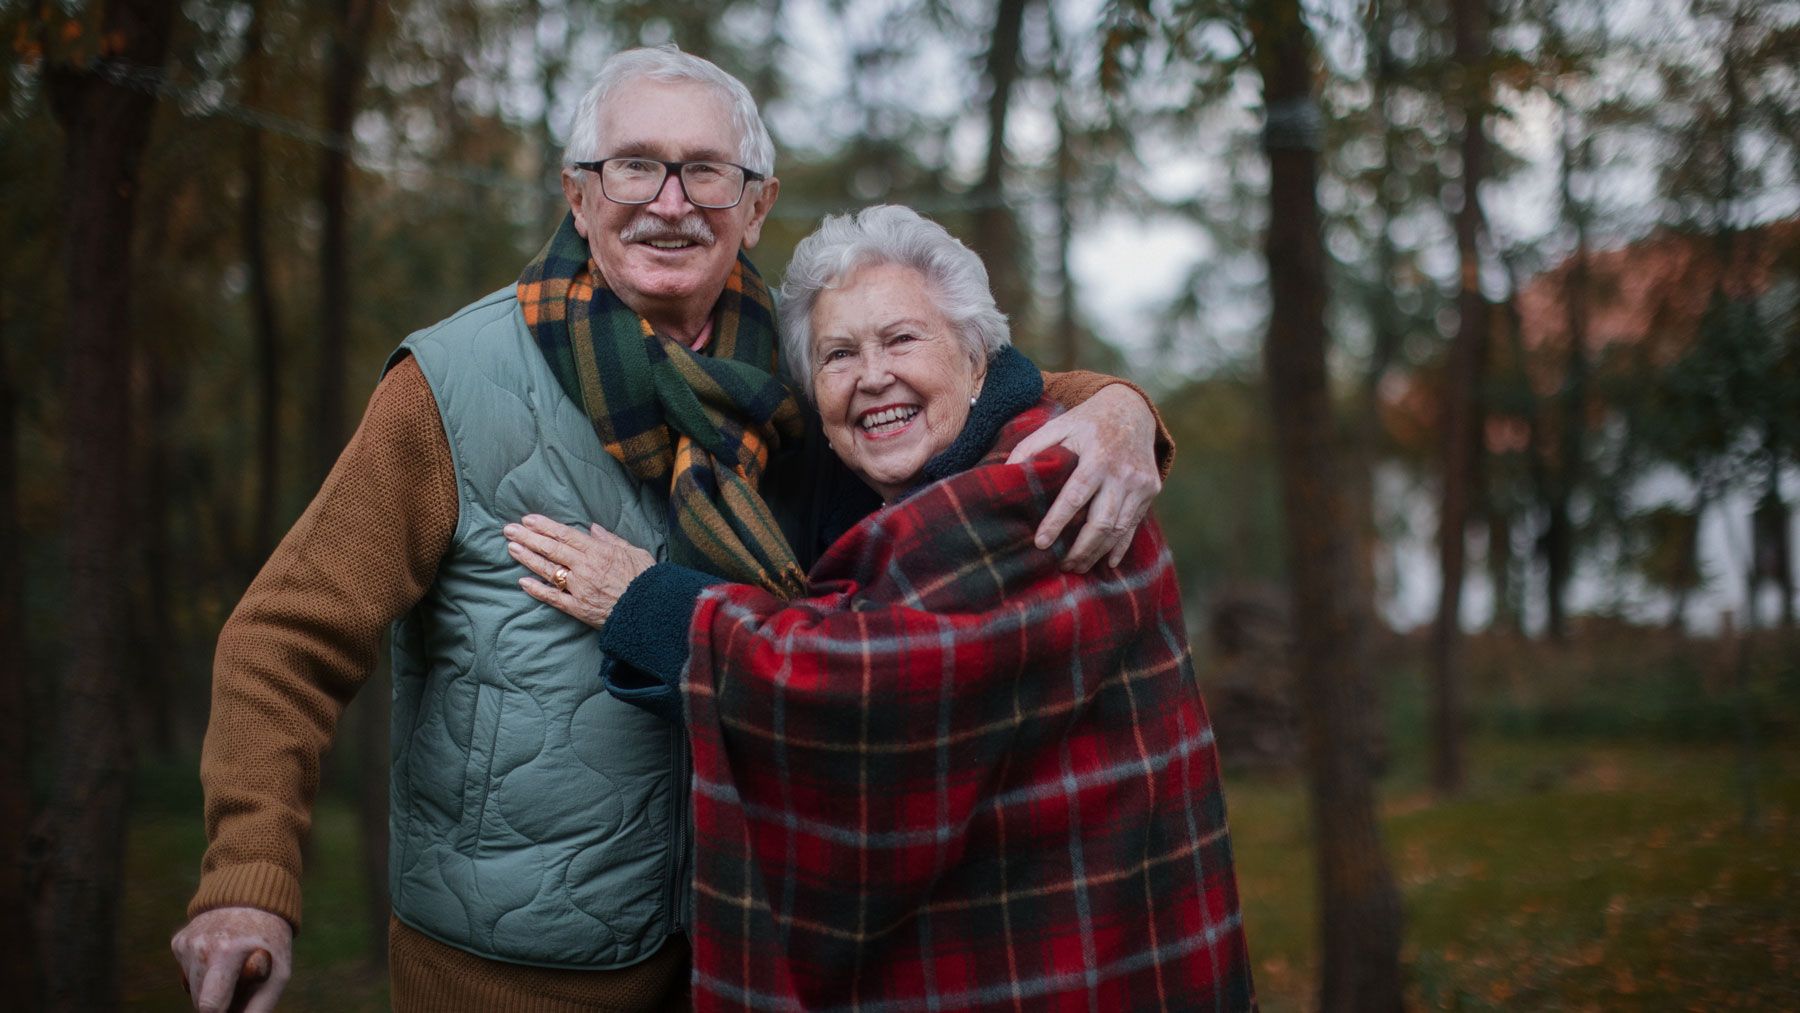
{"points": [[1482, 506]]}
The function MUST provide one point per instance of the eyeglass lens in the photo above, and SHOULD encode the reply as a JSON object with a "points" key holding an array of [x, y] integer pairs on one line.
{"points": [[639, 180]]}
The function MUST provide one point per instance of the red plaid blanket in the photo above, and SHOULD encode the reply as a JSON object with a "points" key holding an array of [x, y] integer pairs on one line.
{"points": [[955, 777]]}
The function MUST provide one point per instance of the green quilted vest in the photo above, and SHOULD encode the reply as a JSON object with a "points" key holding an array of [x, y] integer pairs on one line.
{"points": [[534, 818]]}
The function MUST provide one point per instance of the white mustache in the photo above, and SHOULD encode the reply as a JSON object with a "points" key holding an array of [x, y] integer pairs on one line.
{"points": [[647, 227]]}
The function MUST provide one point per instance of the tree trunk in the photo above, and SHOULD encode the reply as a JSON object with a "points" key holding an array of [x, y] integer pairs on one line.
{"points": [[1359, 905], [106, 126], [154, 619], [1068, 331], [18, 943], [348, 51], [1461, 408], [1384, 326], [1500, 569], [263, 521], [553, 62], [996, 231], [1559, 530], [351, 24]]}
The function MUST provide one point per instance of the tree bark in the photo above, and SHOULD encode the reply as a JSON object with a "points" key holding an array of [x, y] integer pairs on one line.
{"points": [[1359, 905], [154, 619], [1461, 403], [1384, 327], [553, 62], [996, 229], [1559, 529], [351, 24], [263, 315], [106, 123], [18, 943], [347, 59], [1068, 330]]}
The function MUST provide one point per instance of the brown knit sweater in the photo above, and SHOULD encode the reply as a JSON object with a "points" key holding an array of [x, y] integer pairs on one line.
{"points": [[301, 643]]}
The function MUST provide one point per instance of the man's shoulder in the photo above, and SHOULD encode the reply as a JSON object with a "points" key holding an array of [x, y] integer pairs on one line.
{"points": [[472, 325], [501, 305]]}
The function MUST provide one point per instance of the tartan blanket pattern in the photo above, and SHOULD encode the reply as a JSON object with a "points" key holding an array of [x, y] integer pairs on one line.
{"points": [[954, 777]]}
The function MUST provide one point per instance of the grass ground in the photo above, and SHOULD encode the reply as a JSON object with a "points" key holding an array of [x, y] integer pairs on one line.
{"points": [[1571, 875], [1600, 859]]}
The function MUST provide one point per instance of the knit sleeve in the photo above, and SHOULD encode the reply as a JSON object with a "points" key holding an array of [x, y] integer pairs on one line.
{"points": [[305, 638], [1072, 388]]}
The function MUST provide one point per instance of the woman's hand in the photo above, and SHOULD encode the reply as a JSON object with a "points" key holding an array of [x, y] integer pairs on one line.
{"points": [[580, 572]]}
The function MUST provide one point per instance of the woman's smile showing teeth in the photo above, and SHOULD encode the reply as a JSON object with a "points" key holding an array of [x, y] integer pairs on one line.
{"points": [[891, 375], [887, 420]]}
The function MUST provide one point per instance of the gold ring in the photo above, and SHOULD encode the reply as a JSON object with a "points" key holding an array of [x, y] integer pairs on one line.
{"points": [[560, 578]]}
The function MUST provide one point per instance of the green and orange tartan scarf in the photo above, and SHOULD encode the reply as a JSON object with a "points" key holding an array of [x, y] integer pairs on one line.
{"points": [[702, 423]]}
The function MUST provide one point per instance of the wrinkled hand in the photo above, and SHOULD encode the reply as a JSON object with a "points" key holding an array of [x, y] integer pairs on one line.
{"points": [[1114, 435], [213, 950], [600, 565]]}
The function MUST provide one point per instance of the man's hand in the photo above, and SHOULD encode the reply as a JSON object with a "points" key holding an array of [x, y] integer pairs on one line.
{"points": [[1114, 435], [214, 947]]}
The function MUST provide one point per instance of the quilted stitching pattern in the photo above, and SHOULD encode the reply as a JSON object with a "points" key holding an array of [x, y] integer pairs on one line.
{"points": [[531, 812]]}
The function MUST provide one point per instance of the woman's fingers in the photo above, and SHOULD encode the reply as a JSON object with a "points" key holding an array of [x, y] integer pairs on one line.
{"points": [[533, 560], [569, 535]]}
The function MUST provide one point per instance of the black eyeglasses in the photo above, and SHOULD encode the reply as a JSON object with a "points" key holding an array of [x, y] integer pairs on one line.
{"points": [[629, 179]]}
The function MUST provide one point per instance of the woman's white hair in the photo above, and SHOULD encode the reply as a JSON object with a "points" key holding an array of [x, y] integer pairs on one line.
{"points": [[887, 234], [756, 150]]}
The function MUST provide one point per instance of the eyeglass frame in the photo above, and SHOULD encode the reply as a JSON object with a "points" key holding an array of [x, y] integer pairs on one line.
{"points": [[672, 169]]}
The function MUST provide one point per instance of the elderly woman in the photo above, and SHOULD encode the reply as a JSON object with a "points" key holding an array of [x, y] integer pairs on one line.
{"points": [[950, 775]]}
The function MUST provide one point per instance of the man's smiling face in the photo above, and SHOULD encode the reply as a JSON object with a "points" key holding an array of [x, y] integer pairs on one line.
{"points": [[667, 259]]}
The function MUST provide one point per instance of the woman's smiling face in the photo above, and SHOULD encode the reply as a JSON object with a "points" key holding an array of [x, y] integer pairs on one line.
{"points": [[892, 378]]}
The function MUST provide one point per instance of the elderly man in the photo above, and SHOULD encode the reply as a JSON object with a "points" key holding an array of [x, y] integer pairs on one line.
{"points": [[538, 848]]}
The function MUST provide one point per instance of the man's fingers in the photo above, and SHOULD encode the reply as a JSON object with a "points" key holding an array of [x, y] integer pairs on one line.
{"points": [[213, 992], [1093, 540], [263, 995], [1074, 496], [1101, 535], [1118, 553], [1033, 445]]}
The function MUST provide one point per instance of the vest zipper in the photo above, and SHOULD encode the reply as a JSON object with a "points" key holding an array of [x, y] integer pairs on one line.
{"points": [[679, 863]]}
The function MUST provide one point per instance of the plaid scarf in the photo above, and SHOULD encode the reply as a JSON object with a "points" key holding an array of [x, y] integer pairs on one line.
{"points": [[704, 425], [955, 777]]}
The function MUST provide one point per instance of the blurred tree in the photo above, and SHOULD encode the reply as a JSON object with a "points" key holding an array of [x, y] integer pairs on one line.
{"points": [[1460, 419], [347, 38], [264, 316], [18, 944], [1559, 481], [1727, 410], [1358, 901], [101, 71], [996, 230]]}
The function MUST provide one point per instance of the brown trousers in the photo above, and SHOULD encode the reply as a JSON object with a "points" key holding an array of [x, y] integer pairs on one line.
{"points": [[430, 977]]}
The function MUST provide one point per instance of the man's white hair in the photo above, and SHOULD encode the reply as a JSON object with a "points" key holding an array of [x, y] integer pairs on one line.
{"points": [[756, 150], [887, 234]]}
